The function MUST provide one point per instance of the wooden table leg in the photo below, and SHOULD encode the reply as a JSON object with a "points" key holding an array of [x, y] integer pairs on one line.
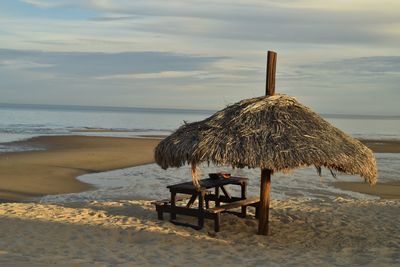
{"points": [[243, 196], [173, 205], [191, 201], [201, 209], [217, 202], [217, 221], [226, 193], [159, 213]]}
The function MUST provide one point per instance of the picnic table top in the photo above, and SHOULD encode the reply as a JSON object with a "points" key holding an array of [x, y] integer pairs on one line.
{"points": [[208, 183]]}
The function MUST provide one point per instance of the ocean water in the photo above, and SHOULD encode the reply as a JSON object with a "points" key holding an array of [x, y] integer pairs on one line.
{"points": [[150, 181], [18, 122]]}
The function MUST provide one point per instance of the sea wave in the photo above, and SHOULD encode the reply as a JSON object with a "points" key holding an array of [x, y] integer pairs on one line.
{"points": [[150, 181]]}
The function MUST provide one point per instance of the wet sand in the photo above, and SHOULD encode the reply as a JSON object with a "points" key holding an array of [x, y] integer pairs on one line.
{"points": [[383, 190], [382, 146], [24, 175]]}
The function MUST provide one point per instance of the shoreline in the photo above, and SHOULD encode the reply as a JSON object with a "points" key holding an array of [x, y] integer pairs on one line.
{"points": [[389, 190], [382, 146], [25, 176]]}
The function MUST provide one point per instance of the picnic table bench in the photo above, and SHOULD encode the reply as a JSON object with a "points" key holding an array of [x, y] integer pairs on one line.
{"points": [[224, 202]]}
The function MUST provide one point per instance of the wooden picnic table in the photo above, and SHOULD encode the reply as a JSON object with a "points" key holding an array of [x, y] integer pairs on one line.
{"points": [[205, 195]]}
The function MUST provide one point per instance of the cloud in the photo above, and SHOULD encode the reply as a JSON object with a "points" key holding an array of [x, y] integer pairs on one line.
{"points": [[91, 64], [364, 85], [205, 53], [364, 74], [124, 79], [258, 21], [40, 4], [113, 18], [286, 21], [22, 64], [160, 79], [52, 4], [154, 75], [364, 66]]}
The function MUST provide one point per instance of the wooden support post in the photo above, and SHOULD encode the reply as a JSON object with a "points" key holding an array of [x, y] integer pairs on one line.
{"points": [[270, 73], [263, 212]]}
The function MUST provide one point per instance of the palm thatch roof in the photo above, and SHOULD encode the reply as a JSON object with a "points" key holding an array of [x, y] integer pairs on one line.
{"points": [[273, 132]]}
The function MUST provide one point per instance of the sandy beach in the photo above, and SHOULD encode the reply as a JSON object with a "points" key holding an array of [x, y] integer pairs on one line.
{"points": [[304, 232], [127, 125], [127, 233], [25, 175]]}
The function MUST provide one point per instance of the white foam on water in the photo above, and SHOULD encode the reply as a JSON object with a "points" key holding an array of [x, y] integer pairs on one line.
{"points": [[150, 181], [17, 148]]}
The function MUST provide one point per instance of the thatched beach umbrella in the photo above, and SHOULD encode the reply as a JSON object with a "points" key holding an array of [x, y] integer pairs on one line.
{"points": [[274, 133]]}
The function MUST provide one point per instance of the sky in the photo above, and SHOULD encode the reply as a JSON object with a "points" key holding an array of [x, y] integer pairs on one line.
{"points": [[337, 56]]}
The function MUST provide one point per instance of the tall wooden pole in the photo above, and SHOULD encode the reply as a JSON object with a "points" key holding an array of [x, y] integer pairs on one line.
{"points": [[265, 173], [270, 73]]}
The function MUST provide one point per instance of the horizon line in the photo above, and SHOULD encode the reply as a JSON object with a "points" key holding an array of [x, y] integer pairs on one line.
{"points": [[70, 107]]}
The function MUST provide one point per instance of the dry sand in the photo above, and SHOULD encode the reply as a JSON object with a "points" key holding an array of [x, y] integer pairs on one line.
{"points": [[127, 233], [341, 232], [24, 175]]}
